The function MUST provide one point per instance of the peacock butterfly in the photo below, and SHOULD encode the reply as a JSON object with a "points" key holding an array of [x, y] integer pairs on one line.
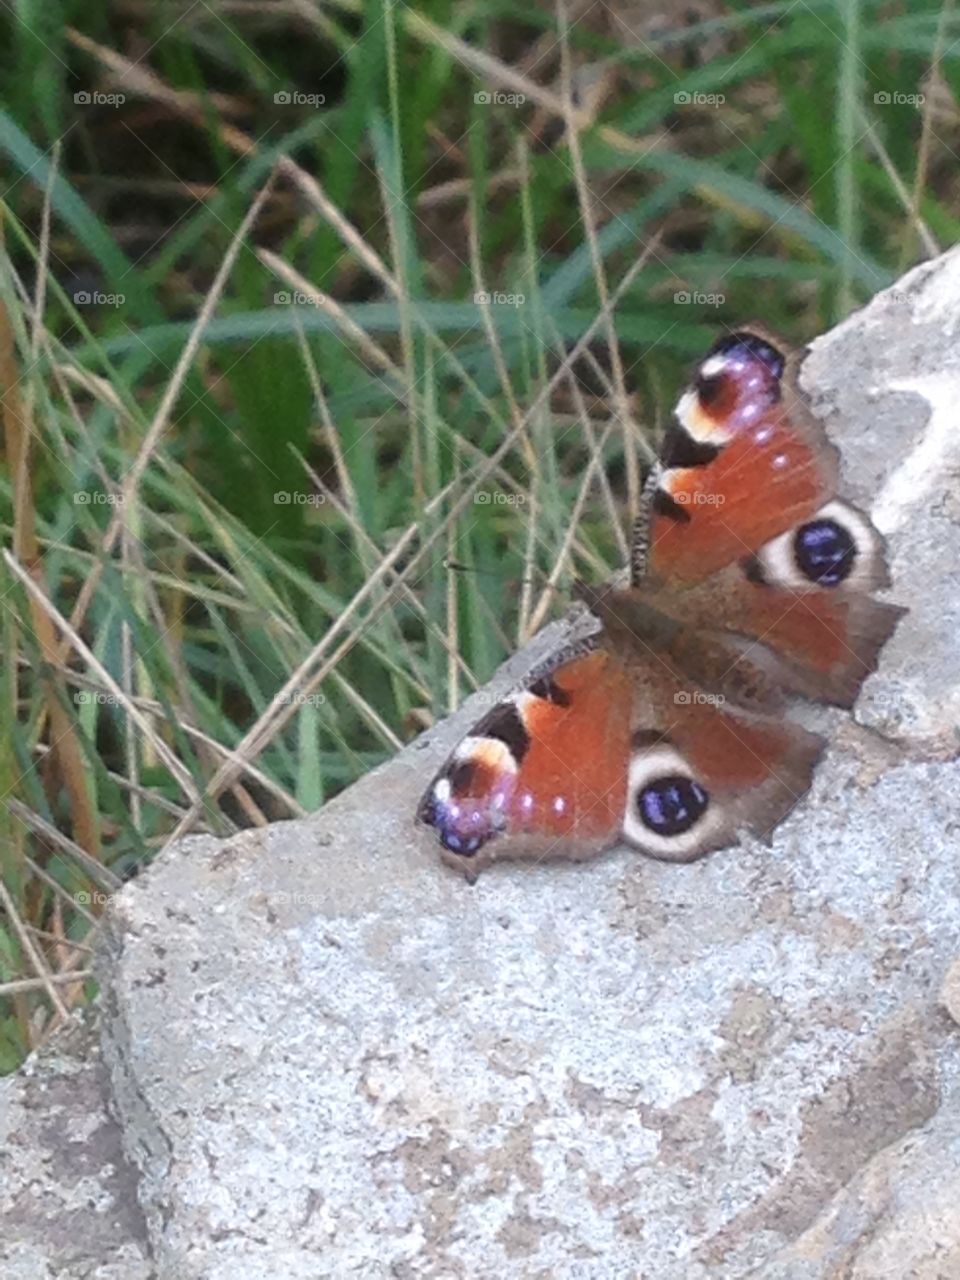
{"points": [[751, 581]]}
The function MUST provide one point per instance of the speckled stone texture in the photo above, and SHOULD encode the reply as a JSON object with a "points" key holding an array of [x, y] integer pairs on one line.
{"points": [[68, 1197], [332, 1057]]}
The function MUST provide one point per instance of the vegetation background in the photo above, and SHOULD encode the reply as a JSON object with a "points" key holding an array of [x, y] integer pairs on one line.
{"points": [[310, 305]]}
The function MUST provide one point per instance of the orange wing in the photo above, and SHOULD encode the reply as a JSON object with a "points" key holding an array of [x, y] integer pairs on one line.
{"points": [[542, 774], [803, 602], [615, 745], [742, 461]]}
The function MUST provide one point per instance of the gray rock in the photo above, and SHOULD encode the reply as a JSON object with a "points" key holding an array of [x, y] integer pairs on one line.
{"points": [[353, 1061], [68, 1197], [887, 382], [950, 992], [898, 1217], [332, 1057]]}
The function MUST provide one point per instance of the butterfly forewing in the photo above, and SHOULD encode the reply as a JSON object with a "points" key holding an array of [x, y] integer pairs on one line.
{"points": [[743, 461], [543, 774]]}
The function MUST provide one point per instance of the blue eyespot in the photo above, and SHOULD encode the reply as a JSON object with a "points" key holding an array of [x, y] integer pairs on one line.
{"points": [[465, 847], [751, 344], [463, 823], [824, 552], [671, 805]]}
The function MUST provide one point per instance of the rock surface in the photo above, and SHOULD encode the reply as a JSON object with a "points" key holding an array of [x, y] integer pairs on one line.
{"points": [[897, 1219], [887, 381], [332, 1057], [68, 1197]]}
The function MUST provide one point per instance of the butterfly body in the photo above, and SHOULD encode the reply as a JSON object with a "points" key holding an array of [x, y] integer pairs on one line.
{"points": [[751, 583]]}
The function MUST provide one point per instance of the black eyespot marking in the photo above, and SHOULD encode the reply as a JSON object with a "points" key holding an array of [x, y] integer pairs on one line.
{"points": [[504, 723], [825, 552], [664, 505], [709, 389], [753, 571], [680, 449], [753, 344], [546, 687], [671, 805], [466, 846], [460, 777], [437, 816], [463, 824]]}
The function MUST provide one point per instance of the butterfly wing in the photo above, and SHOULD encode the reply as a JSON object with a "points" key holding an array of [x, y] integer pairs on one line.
{"points": [[702, 767], [617, 744], [743, 517], [543, 774], [669, 733], [710, 773], [803, 600], [743, 461]]}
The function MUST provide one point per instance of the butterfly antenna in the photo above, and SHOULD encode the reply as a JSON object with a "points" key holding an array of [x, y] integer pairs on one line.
{"points": [[455, 566]]}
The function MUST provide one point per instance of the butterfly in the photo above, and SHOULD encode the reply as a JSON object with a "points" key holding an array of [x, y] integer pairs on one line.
{"points": [[751, 582]]}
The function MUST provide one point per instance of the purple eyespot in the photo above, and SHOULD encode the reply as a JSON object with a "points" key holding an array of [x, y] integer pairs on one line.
{"points": [[750, 346], [825, 552], [463, 822], [671, 805]]}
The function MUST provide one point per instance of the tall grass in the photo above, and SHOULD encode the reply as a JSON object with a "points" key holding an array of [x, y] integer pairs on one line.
{"points": [[258, 416]]}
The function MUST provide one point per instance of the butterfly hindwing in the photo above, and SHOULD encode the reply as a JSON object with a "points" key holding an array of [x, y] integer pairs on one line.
{"points": [[837, 546], [702, 767], [713, 774], [804, 598]]}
